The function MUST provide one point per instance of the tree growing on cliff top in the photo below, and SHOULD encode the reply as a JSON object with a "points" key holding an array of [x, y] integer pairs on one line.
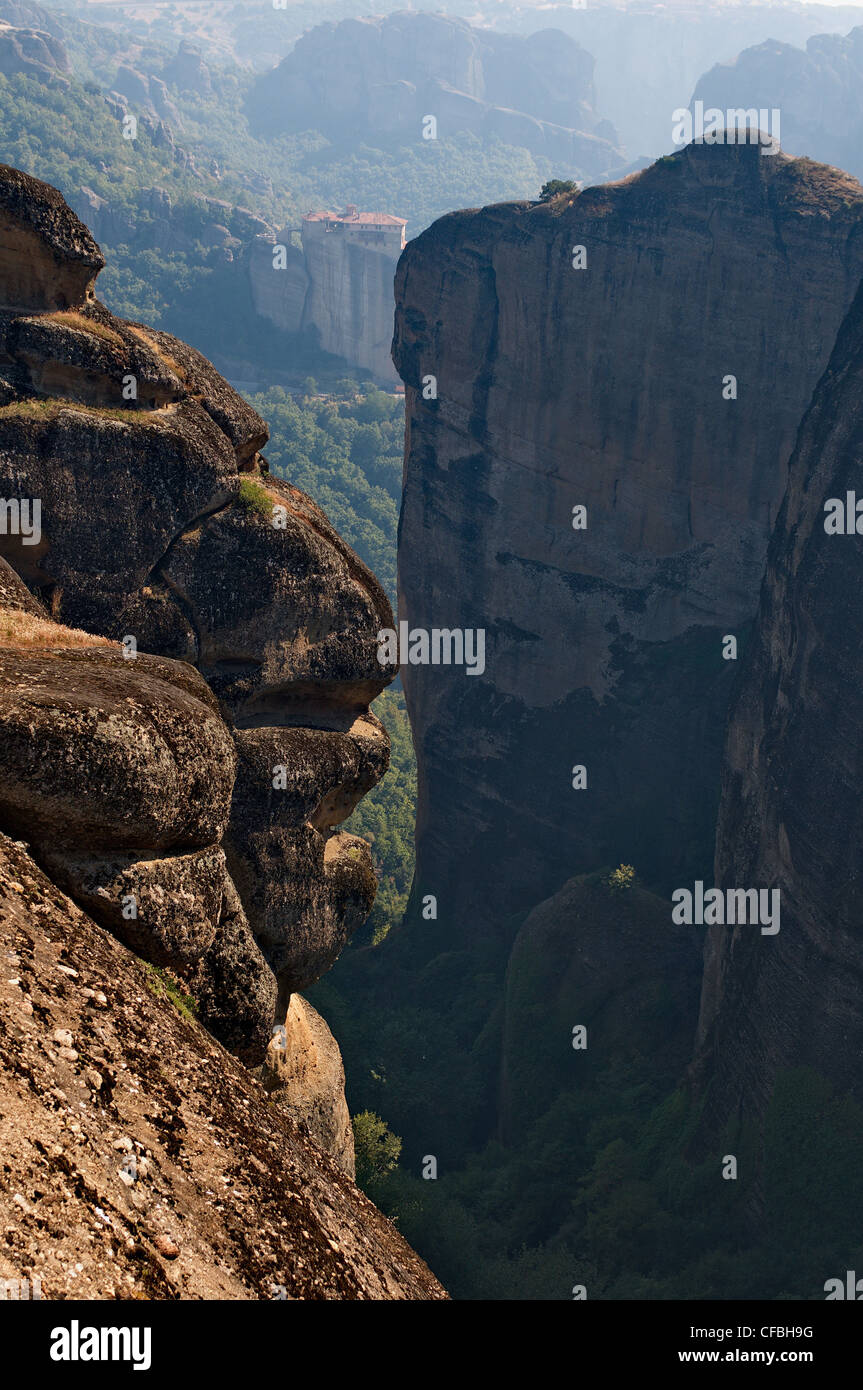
{"points": [[621, 879], [554, 187]]}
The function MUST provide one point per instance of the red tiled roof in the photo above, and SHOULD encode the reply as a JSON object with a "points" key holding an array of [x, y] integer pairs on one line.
{"points": [[364, 219]]}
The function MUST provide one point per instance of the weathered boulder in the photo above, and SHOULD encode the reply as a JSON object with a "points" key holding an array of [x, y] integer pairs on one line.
{"points": [[303, 1071], [305, 889], [137, 483], [117, 766], [285, 615], [105, 753], [165, 907], [48, 259], [288, 776], [305, 895]]}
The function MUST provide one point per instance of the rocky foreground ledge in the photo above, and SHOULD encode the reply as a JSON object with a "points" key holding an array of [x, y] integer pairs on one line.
{"points": [[139, 1159]]}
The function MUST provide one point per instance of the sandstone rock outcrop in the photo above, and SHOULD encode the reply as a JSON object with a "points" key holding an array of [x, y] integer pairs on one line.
{"points": [[120, 777], [112, 754], [149, 91], [790, 811], [155, 537], [306, 886], [337, 290], [303, 1071], [558, 388], [140, 1160], [48, 259]]}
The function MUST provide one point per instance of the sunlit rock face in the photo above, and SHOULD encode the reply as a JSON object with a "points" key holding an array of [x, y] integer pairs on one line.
{"points": [[159, 528]]}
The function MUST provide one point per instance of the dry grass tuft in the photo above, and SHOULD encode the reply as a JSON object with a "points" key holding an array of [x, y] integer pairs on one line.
{"points": [[48, 408], [82, 324], [25, 632]]}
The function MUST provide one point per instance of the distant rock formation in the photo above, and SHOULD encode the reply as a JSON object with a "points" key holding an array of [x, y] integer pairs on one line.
{"points": [[33, 52], [148, 91], [601, 388], [819, 93], [23, 14], [187, 70], [193, 813], [338, 287], [649, 56], [224, 230], [382, 77]]}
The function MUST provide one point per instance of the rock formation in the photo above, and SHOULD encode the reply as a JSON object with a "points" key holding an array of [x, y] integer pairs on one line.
{"points": [[789, 816], [187, 70], [185, 680], [32, 52], [393, 72], [121, 775], [339, 287], [819, 92], [648, 57], [606, 962], [561, 388], [140, 1160], [147, 91], [304, 1073]]}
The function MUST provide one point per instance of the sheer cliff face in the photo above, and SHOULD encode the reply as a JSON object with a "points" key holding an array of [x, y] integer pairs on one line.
{"points": [[606, 388], [193, 814], [790, 814]]}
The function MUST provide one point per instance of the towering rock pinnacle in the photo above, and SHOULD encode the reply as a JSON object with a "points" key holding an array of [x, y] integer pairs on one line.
{"points": [[644, 351]]}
